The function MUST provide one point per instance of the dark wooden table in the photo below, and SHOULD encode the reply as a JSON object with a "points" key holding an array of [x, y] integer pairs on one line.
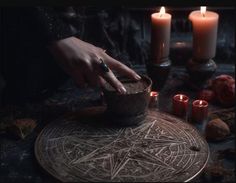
{"points": [[17, 159]]}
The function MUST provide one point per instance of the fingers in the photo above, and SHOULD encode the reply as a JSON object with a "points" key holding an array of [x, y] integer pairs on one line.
{"points": [[111, 79], [101, 81], [86, 76], [114, 82], [121, 68], [91, 71], [91, 75]]}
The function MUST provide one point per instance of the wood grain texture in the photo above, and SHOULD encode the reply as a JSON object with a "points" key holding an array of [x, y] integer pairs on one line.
{"points": [[162, 148]]}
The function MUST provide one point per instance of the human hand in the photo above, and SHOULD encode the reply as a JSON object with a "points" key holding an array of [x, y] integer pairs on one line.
{"points": [[82, 61]]}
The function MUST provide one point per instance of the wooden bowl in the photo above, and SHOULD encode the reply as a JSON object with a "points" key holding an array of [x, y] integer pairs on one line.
{"points": [[132, 104]]}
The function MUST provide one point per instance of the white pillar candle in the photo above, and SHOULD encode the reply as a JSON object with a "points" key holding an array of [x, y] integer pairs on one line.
{"points": [[205, 24], [160, 35]]}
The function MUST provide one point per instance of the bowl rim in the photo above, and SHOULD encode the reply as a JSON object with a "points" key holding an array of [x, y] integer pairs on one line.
{"points": [[143, 76]]}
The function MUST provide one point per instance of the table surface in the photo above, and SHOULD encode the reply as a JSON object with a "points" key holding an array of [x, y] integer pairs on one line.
{"points": [[92, 148], [17, 159]]}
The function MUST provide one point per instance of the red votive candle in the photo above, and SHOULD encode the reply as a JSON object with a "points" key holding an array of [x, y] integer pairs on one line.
{"points": [[153, 99], [199, 110], [180, 104]]}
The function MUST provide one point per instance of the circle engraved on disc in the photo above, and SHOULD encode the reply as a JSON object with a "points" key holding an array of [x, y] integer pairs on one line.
{"points": [[162, 148]]}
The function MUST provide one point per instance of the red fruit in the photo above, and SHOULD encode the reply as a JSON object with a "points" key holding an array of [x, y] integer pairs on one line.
{"points": [[207, 95], [224, 89], [226, 96], [221, 79]]}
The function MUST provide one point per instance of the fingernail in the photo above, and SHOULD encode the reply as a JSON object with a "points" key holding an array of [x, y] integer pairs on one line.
{"points": [[137, 77], [122, 90]]}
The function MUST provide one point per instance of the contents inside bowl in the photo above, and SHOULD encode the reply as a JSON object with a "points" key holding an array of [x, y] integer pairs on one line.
{"points": [[131, 86]]}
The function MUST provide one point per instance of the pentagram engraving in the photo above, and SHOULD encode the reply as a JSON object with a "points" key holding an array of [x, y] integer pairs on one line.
{"points": [[160, 149]]}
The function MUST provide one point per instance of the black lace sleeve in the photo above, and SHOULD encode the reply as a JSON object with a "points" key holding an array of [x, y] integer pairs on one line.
{"points": [[51, 24]]}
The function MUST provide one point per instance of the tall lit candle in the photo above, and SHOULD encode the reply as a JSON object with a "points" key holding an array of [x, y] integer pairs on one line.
{"points": [[205, 25], [160, 35]]}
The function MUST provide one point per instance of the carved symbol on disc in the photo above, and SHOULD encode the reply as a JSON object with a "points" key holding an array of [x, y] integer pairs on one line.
{"points": [[157, 150]]}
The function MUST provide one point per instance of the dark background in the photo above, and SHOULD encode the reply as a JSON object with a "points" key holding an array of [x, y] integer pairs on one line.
{"points": [[29, 73]]}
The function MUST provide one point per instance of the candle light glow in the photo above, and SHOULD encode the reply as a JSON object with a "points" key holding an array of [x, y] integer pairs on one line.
{"points": [[162, 11], [200, 103], [199, 110], [153, 99], [203, 10], [160, 35], [153, 93], [180, 104], [205, 26]]}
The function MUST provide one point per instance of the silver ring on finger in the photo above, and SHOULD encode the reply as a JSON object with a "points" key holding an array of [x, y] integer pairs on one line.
{"points": [[103, 66]]}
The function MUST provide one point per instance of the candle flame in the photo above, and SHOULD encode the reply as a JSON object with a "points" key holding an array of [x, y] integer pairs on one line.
{"points": [[153, 93], [200, 102], [162, 11], [203, 10], [181, 97]]}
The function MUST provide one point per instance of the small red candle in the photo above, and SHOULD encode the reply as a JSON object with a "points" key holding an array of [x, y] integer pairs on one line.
{"points": [[199, 110], [180, 104], [153, 99]]}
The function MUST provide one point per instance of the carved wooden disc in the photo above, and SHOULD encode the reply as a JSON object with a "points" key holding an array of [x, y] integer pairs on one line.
{"points": [[162, 148]]}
